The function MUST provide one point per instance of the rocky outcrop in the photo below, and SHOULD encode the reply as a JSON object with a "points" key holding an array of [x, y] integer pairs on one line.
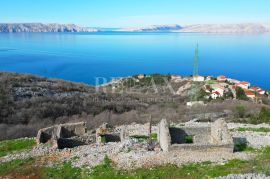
{"points": [[39, 27]]}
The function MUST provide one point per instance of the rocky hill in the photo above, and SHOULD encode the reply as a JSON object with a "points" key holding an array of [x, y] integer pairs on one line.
{"points": [[29, 103], [39, 27], [154, 28], [206, 28]]}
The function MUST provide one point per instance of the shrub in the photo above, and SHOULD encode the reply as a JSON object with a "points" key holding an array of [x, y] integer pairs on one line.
{"points": [[240, 111], [240, 94], [264, 115]]}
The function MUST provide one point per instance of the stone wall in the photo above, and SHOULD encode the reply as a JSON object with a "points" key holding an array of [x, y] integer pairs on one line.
{"points": [[201, 135], [127, 131], [164, 137], [214, 137]]}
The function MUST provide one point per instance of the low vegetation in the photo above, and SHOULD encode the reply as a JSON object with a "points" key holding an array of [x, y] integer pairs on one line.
{"points": [[261, 129], [11, 146]]}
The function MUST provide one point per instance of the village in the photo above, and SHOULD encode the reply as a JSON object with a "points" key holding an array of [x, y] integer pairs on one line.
{"points": [[221, 86]]}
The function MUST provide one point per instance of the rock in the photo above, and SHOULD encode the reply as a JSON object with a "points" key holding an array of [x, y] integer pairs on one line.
{"points": [[164, 137]]}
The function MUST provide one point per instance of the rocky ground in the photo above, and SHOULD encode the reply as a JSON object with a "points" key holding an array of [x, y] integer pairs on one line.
{"points": [[246, 176], [127, 155]]}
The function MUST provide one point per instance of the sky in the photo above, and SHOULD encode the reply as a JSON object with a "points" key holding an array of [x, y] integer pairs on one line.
{"points": [[134, 13]]}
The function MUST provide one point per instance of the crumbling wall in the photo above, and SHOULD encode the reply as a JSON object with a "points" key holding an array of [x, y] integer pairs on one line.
{"points": [[201, 135], [220, 134], [164, 137], [127, 131], [59, 134]]}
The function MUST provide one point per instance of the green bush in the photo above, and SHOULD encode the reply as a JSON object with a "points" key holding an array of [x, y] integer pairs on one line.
{"points": [[264, 115], [240, 111], [189, 139], [240, 94]]}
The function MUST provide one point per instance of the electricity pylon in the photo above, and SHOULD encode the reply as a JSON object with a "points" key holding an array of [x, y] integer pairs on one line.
{"points": [[195, 89]]}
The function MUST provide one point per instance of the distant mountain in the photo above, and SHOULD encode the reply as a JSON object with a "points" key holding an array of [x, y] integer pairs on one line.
{"points": [[39, 27], [154, 28], [228, 28], [206, 28]]}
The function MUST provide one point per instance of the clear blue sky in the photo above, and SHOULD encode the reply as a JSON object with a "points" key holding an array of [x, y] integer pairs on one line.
{"points": [[126, 13]]}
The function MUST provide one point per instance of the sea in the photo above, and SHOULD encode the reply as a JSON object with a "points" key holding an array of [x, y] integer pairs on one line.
{"points": [[95, 58]]}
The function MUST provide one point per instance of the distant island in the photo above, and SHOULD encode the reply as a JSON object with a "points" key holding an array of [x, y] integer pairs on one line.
{"points": [[205, 28], [39, 27], [198, 28]]}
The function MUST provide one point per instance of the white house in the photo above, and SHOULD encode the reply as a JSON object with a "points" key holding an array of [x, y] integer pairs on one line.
{"points": [[250, 94], [233, 81], [215, 95], [219, 88], [258, 90], [221, 78], [243, 85], [198, 78]]}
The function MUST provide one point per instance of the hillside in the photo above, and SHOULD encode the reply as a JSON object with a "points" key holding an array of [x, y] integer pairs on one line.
{"points": [[39, 27], [29, 103]]}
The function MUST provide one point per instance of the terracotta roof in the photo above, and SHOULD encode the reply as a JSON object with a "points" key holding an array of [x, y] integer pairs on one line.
{"points": [[249, 93], [255, 88], [222, 77], [243, 83]]}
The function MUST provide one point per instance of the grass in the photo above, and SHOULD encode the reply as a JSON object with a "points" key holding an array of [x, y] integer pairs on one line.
{"points": [[16, 168], [189, 139], [261, 129], [11, 146]]}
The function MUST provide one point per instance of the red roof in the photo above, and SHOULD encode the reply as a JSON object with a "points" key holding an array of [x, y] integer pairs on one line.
{"points": [[222, 77], [216, 92], [243, 83], [249, 93]]}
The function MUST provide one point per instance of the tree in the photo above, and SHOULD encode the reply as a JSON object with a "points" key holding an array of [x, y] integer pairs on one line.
{"points": [[240, 94]]}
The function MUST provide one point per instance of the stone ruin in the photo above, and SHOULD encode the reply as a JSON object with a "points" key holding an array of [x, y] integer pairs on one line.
{"points": [[211, 137], [65, 135], [214, 137]]}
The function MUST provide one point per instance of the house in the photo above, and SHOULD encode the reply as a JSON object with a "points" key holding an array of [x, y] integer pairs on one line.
{"points": [[261, 91], [243, 85], [198, 78], [215, 95], [233, 81], [258, 90], [208, 78], [250, 94], [141, 76], [219, 88], [221, 78], [268, 95], [176, 78]]}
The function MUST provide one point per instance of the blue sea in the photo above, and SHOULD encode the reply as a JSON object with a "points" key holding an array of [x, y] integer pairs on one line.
{"points": [[82, 57]]}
